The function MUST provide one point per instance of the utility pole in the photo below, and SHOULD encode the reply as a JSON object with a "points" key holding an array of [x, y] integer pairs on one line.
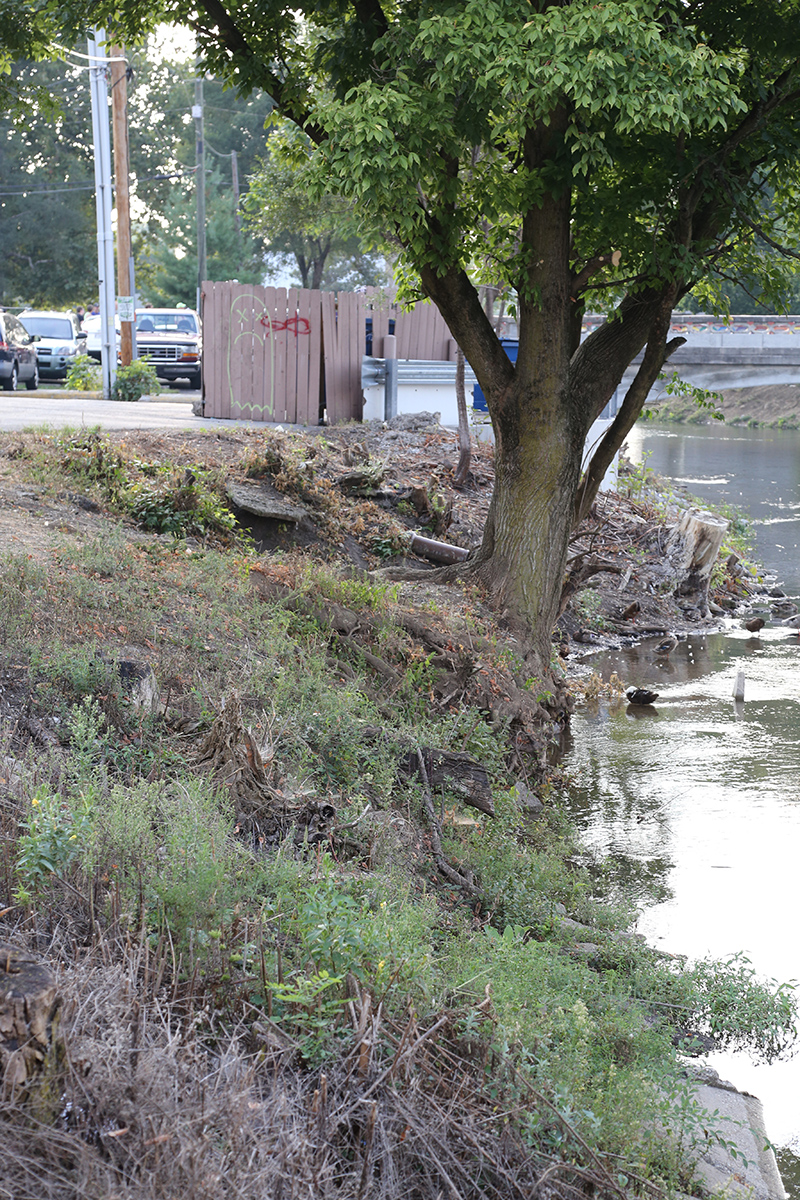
{"points": [[200, 181], [235, 181], [119, 110], [105, 234]]}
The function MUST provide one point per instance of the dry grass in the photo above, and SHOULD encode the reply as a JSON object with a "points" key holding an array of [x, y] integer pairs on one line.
{"points": [[149, 1102]]}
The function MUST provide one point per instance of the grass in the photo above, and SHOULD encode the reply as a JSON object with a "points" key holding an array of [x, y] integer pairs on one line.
{"points": [[258, 1007]]}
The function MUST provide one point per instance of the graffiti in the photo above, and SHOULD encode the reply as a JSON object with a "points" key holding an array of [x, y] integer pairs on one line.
{"points": [[295, 325]]}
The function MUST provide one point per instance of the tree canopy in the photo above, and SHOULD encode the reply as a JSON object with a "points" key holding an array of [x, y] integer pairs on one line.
{"points": [[612, 153], [318, 232]]}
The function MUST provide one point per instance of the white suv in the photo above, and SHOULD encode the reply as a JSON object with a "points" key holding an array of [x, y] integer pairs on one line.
{"points": [[59, 340]]}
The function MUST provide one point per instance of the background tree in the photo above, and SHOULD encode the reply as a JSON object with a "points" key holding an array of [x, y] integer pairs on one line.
{"points": [[167, 260], [47, 208], [616, 152], [319, 233]]}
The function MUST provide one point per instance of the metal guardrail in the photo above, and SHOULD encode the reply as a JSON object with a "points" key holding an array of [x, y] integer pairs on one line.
{"points": [[414, 373]]}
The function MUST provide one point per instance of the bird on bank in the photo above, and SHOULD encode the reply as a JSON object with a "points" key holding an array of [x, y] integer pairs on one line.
{"points": [[666, 646], [792, 623], [754, 624], [637, 695]]}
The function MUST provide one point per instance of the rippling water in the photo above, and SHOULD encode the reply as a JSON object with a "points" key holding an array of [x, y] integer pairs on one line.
{"points": [[698, 802]]}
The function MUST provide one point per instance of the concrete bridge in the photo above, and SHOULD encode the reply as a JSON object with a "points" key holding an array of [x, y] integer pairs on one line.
{"points": [[745, 352]]}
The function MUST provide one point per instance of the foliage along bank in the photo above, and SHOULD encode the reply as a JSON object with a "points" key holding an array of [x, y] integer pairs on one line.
{"points": [[286, 949]]}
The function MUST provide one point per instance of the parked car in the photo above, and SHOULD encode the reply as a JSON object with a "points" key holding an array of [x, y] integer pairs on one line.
{"points": [[170, 339], [59, 340], [91, 326], [19, 362]]}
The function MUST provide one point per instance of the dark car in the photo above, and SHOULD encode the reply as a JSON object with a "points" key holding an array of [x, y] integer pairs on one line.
{"points": [[170, 339], [18, 359]]}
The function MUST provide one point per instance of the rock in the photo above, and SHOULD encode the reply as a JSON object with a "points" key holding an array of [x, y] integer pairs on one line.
{"points": [[139, 684], [529, 803], [264, 501], [415, 422]]}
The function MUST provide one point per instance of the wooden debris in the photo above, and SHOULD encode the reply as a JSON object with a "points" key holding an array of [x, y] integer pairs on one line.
{"points": [[29, 1002], [460, 774]]}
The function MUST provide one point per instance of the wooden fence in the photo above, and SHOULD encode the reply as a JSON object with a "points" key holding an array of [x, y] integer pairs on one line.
{"points": [[290, 356]]}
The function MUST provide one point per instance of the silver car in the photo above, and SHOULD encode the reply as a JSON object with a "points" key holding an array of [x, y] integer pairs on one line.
{"points": [[59, 343]]}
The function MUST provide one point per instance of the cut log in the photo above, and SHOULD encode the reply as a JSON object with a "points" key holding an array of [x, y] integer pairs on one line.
{"points": [[441, 552], [29, 1002], [459, 773], [695, 543]]}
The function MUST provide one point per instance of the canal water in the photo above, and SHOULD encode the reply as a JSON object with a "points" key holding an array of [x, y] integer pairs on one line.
{"points": [[697, 804]]}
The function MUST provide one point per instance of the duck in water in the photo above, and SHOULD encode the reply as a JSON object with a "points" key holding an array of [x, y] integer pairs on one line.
{"points": [[666, 646], [640, 696]]}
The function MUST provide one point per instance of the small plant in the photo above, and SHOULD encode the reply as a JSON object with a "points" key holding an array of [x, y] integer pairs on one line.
{"points": [[89, 456], [134, 381], [84, 375], [55, 834], [189, 505]]}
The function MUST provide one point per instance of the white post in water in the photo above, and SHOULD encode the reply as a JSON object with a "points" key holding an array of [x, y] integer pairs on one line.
{"points": [[738, 687]]}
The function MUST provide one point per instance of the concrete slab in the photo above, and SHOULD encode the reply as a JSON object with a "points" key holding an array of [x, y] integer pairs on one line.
{"points": [[752, 1173]]}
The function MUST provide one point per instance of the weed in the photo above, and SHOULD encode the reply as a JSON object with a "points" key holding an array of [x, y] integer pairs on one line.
{"points": [[84, 375], [135, 380], [55, 835], [181, 505]]}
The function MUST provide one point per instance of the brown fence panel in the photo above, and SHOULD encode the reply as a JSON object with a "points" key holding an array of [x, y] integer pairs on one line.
{"points": [[261, 353], [309, 361], [343, 335]]}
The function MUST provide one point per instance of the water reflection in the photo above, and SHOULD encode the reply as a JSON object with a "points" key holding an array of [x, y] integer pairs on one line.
{"points": [[695, 804]]}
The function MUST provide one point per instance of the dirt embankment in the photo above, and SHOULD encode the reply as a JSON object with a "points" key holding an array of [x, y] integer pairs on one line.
{"points": [[774, 407]]}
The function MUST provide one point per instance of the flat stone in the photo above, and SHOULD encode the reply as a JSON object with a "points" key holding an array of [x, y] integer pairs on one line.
{"points": [[264, 501], [740, 1120]]}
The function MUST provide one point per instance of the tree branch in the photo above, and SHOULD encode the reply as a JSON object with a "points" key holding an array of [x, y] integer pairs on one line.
{"points": [[656, 354], [224, 29], [580, 280]]}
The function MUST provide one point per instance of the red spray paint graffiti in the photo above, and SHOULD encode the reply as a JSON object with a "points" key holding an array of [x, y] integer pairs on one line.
{"points": [[295, 325]]}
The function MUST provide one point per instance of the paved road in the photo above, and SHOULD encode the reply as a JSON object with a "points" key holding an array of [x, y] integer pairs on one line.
{"points": [[25, 410]]}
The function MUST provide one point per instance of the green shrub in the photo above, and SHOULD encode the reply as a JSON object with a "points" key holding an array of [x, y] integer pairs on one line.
{"points": [[134, 381], [84, 375], [181, 506]]}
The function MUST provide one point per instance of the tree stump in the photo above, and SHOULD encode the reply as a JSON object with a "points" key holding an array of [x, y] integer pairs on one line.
{"points": [[696, 539], [29, 1001]]}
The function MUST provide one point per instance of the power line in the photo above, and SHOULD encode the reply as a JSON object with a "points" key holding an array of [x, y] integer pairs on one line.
{"points": [[84, 187]]}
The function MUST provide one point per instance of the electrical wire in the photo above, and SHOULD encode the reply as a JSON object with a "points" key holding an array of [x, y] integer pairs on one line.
{"points": [[90, 187]]}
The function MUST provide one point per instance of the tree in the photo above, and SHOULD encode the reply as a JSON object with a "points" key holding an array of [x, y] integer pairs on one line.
{"points": [[47, 209], [167, 265], [618, 151], [318, 232]]}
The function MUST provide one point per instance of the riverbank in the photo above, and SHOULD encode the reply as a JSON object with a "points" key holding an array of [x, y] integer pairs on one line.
{"points": [[773, 407], [283, 873]]}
